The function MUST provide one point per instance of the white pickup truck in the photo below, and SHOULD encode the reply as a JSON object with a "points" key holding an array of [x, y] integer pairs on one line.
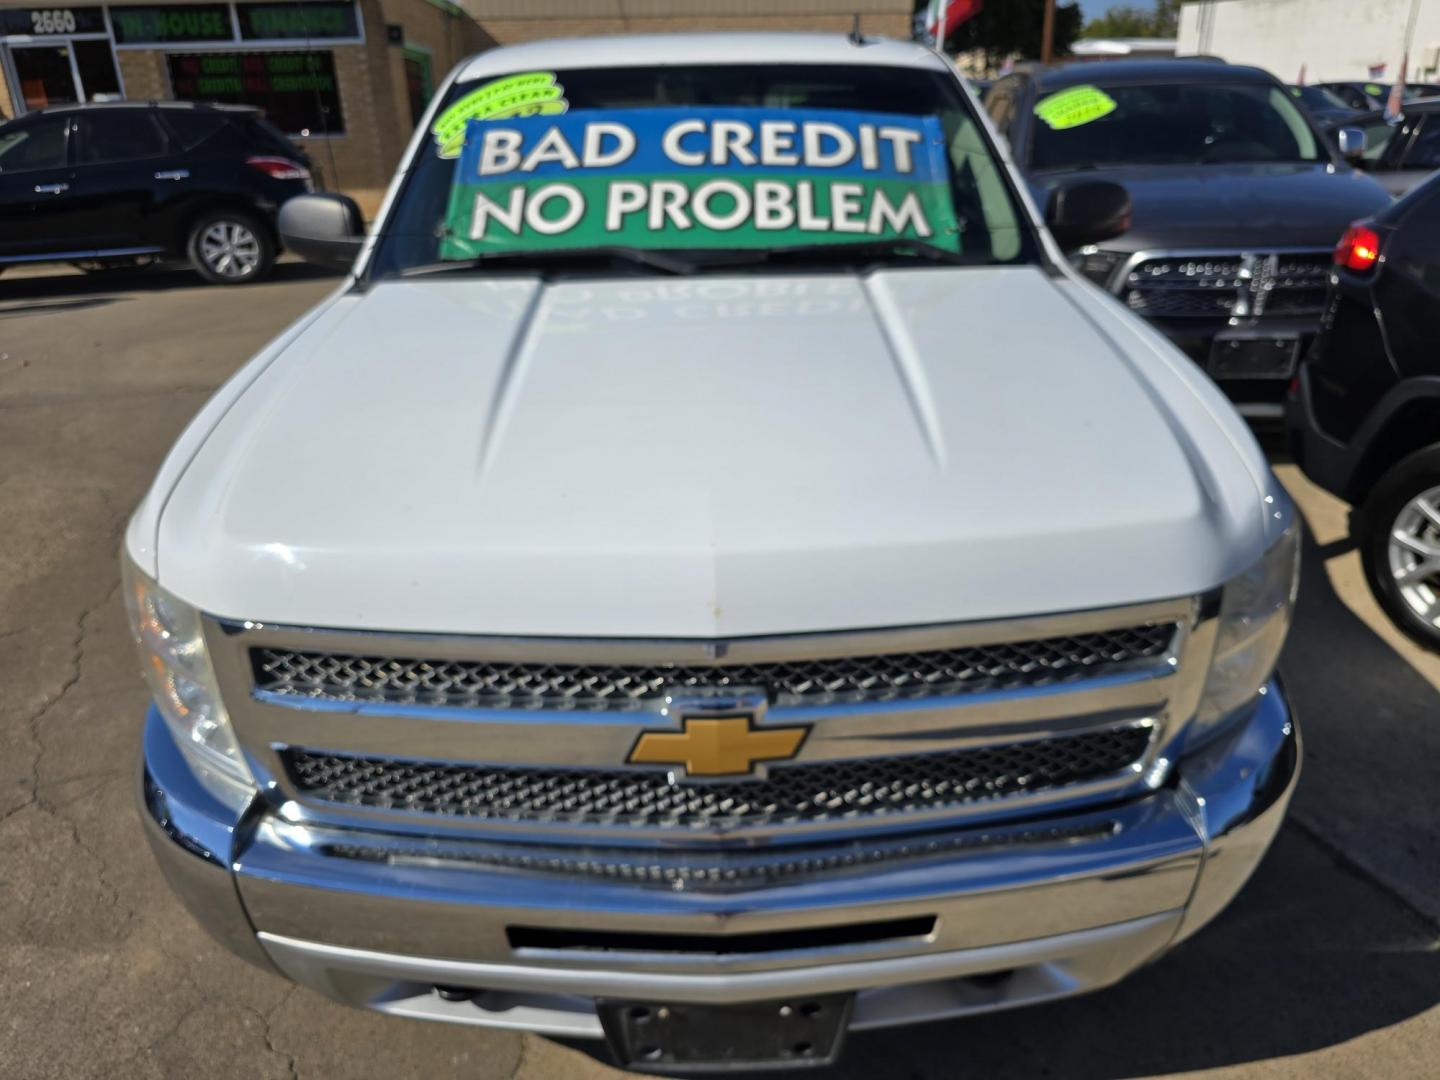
{"points": [[713, 577]]}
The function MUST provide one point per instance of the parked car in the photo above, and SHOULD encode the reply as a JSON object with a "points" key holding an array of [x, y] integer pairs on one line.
{"points": [[1373, 95], [1402, 153], [113, 185], [687, 663], [1324, 106], [1364, 411], [1237, 202]]}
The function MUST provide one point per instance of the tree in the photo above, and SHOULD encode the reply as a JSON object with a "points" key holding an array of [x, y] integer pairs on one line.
{"points": [[1006, 28], [1125, 21]]}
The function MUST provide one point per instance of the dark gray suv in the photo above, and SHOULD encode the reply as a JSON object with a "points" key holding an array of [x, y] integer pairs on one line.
{"points": [[1237, 203]]}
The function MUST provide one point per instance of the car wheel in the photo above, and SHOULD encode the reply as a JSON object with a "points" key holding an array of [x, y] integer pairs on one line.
{"points": [[1399, 537], [230, 247]]}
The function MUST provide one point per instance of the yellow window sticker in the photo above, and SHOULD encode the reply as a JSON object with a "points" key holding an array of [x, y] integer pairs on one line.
{"points": [[534, 93], [1075, 107], [1374, 89]]}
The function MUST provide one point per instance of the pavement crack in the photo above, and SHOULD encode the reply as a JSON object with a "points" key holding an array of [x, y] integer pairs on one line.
{"points": [[268, 1020], [523, 1057], [37, 797], [1350, 865]]}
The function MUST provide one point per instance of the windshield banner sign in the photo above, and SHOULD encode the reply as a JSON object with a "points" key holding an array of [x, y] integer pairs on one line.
{"points": [[708, 178]]}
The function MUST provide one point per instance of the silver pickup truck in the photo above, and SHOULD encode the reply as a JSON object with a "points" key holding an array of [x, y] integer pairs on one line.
{"points": [[712, 577]]}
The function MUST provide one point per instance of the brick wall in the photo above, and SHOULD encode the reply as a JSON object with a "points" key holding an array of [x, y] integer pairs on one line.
{"points": [[143, 74], [509, 31], [527, 20], [373, 93], [445, 33]]}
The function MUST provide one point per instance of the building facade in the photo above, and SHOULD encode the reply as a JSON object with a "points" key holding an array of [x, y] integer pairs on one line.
{"points": [[1330, 40], [347, 79], [525, 20]]}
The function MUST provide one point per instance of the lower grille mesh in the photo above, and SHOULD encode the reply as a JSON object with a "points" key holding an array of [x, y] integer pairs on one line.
{"points": [[811, 792]]}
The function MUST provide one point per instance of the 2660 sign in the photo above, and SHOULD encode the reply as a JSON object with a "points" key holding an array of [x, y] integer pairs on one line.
{"points": [[45, 22]]}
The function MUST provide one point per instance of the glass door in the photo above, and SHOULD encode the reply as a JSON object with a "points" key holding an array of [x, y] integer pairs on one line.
{"points": [[45, 75], [62, 72]]}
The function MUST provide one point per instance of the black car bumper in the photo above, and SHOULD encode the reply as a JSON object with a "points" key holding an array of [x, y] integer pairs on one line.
{"points": [[1325, 460], [1259, 399]]}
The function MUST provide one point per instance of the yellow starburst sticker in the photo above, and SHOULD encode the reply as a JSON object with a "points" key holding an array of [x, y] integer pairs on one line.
{"points": [[533, 93], [1075, 107]]}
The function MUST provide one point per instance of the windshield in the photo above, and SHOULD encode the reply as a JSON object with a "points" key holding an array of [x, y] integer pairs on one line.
{"points": [[685, 169], [1170, 124], [1315, 97]]}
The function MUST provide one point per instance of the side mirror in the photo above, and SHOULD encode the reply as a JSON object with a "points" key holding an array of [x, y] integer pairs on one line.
{"points": [[325, 229], [1351, 141], [1087, 212]]}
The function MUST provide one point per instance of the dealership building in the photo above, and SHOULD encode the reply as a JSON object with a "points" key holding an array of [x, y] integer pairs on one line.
{"points": [[524, 20], [1329, 40], [347, 79]]}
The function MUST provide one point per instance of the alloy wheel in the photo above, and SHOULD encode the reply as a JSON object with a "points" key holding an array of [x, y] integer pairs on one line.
{"points": [[230, 249], [1414, 554]]}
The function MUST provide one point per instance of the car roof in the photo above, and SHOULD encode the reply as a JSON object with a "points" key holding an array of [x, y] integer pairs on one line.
{"points": [[90, 106], [1374, 116], [1122, 72], [681, 50]]}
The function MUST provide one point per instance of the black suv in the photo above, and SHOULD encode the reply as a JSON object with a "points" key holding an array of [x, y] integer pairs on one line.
{"points": [[1364, 410], [1237, 198], [120, 184]]}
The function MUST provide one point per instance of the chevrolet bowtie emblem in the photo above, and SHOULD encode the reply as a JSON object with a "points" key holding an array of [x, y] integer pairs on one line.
{"points": [[717, 745]]}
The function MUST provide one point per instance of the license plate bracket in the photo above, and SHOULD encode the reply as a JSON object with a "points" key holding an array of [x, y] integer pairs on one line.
{"points": [[1254, 356], [709, 1039]]}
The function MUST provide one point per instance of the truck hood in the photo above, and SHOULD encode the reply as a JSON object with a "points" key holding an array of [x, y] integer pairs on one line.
{"points": [[1247, 207], [711, 457]]}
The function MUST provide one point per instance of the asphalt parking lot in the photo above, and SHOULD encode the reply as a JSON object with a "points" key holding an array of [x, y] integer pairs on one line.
{"points": [[1327, 965]]}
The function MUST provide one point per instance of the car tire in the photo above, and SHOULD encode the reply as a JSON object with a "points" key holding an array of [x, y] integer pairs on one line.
{"points": [[1395, 529], [230, 247]]}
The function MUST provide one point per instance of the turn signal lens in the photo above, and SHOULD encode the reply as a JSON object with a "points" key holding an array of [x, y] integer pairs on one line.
{"points": [[1359, 248]]}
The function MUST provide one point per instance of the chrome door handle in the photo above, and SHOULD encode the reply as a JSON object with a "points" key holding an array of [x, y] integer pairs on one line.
{"points": [[51, 189], [173, 174]]}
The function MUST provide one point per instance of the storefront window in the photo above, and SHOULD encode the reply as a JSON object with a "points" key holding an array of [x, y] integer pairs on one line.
{"points": [[45, 75], [419, 84], [99, 81], [295, 90]]}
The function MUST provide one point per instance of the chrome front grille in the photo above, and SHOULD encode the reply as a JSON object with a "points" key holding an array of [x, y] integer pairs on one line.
{"points": [[809, 792], [1227, 285], [500, 684]]}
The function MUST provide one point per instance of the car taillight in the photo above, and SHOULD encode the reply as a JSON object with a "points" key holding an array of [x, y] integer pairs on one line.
{"points": [[279, 168], [1359, 248]]}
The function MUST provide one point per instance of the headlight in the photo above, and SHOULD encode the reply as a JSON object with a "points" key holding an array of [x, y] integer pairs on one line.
{"points": [[1096, 265], [177, 667], [1254, 619]]}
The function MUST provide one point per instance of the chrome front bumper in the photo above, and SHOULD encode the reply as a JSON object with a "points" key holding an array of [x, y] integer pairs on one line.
{"points": [[1031, 912]]}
